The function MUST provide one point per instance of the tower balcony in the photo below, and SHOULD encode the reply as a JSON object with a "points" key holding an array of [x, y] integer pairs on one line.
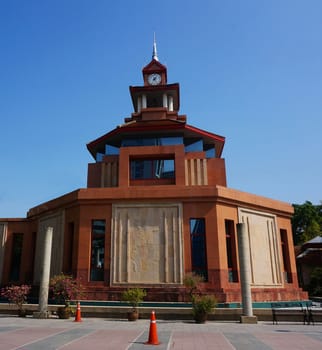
{"points": [[157, 165]]}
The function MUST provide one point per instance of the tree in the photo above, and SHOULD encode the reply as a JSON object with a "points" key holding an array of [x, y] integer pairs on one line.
{"points": [[315, 286], [306, 222]]}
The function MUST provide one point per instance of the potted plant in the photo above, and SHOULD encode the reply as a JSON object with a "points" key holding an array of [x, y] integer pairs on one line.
{"points": [[65, 288], [202, 305], [133, 296], [17, 295], [191, 281]]}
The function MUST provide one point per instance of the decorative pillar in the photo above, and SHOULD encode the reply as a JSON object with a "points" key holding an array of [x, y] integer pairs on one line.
{"points": [[128, 250], [44, 275], [166, 244], [165, 101], [170, 103], [139, 104], [3, 240], [244, 265], [144, 101]]}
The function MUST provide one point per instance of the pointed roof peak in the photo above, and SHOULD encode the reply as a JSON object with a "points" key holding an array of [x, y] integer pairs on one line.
{"points": [[154, 53]]}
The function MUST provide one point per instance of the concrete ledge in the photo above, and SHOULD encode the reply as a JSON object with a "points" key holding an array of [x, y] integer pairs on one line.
{"points": [[165, 313]]}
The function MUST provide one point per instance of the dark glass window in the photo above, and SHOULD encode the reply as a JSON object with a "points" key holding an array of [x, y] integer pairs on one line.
{"points": [[198, 247], [155, 141], [99, 157], [111, 150], [16, 256], [68, 249], [195, 146], [211, 152], [32, 254], [286, 257], [152, 169], [231, 251], [97, 250]]}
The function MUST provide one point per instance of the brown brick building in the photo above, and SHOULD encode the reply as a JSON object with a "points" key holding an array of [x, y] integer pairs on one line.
{"points": [[156, 206]]}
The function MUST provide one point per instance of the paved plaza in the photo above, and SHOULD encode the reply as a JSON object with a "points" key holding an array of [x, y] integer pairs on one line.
{"points": [[98, 333]]}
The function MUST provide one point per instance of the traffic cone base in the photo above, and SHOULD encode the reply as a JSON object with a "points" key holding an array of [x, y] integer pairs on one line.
{"points": [[153, 333]]}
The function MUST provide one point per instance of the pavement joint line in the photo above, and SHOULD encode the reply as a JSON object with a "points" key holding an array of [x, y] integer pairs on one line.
{"points": [[34, 341], [170, 341], [91, 331], [39, 340], [128, 347]]}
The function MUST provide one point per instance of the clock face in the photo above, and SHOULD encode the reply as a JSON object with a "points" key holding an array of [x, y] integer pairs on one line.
{"points": [[154, 79]]}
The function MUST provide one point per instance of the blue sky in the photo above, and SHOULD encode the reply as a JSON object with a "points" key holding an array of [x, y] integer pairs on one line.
{"points": [[248, 70]]}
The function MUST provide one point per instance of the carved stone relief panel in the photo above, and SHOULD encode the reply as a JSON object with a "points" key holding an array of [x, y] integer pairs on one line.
{"points": [[147, 244], [264, 246]]}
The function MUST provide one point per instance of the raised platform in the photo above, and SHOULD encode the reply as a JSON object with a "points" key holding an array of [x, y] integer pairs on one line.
{"points": [[166, 311], [163, 312]]}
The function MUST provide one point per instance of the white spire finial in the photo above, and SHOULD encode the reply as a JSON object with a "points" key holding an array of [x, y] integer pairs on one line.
{"points": [[154, 54]]}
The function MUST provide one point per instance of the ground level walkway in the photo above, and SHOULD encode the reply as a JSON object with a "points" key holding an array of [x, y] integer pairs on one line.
{"points": [[97, 333]]}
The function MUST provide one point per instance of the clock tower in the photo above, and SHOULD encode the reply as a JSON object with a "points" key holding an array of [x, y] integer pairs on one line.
{"points": [[156, 95], [154, 73]]}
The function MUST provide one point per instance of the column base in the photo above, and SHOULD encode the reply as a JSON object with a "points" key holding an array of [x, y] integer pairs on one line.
{"points": [[41, 314], [248, 319]]}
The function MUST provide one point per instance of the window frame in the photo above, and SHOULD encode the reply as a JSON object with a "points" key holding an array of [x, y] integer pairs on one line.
{"points": [[231, 251], [150, 167], [97, 272], [198, 244]]}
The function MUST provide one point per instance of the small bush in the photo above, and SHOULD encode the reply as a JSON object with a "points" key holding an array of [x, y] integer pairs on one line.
{"points": [[134, 296], [65, 288], [192, 281], [203, 304], [16, 294]]}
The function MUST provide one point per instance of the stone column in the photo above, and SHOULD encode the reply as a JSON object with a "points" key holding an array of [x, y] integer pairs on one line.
{"points": [[143, 101], [44, 275], [3, 240], [244, 266], [139, 104], [165, 101], [170, 104]]}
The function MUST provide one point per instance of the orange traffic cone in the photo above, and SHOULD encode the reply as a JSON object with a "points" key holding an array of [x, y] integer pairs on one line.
{"points": [[78, 313], [153, 334]]}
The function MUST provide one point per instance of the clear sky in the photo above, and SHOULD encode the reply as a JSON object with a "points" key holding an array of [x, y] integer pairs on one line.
{"points": [[249, 70]]}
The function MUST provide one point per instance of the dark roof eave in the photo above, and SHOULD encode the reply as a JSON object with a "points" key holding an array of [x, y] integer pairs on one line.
{"points": [[139, 126]]}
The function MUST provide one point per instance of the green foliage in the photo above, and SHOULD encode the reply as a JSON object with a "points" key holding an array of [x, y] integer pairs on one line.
{"points": [[134, 296], [191, 281], [306, 222], [16, 294], [315, 286], [65, 288], [203, 304]]}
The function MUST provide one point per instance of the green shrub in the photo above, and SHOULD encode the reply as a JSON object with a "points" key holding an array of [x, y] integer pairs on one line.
{"points": [[134, 296], [203, 304]]}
